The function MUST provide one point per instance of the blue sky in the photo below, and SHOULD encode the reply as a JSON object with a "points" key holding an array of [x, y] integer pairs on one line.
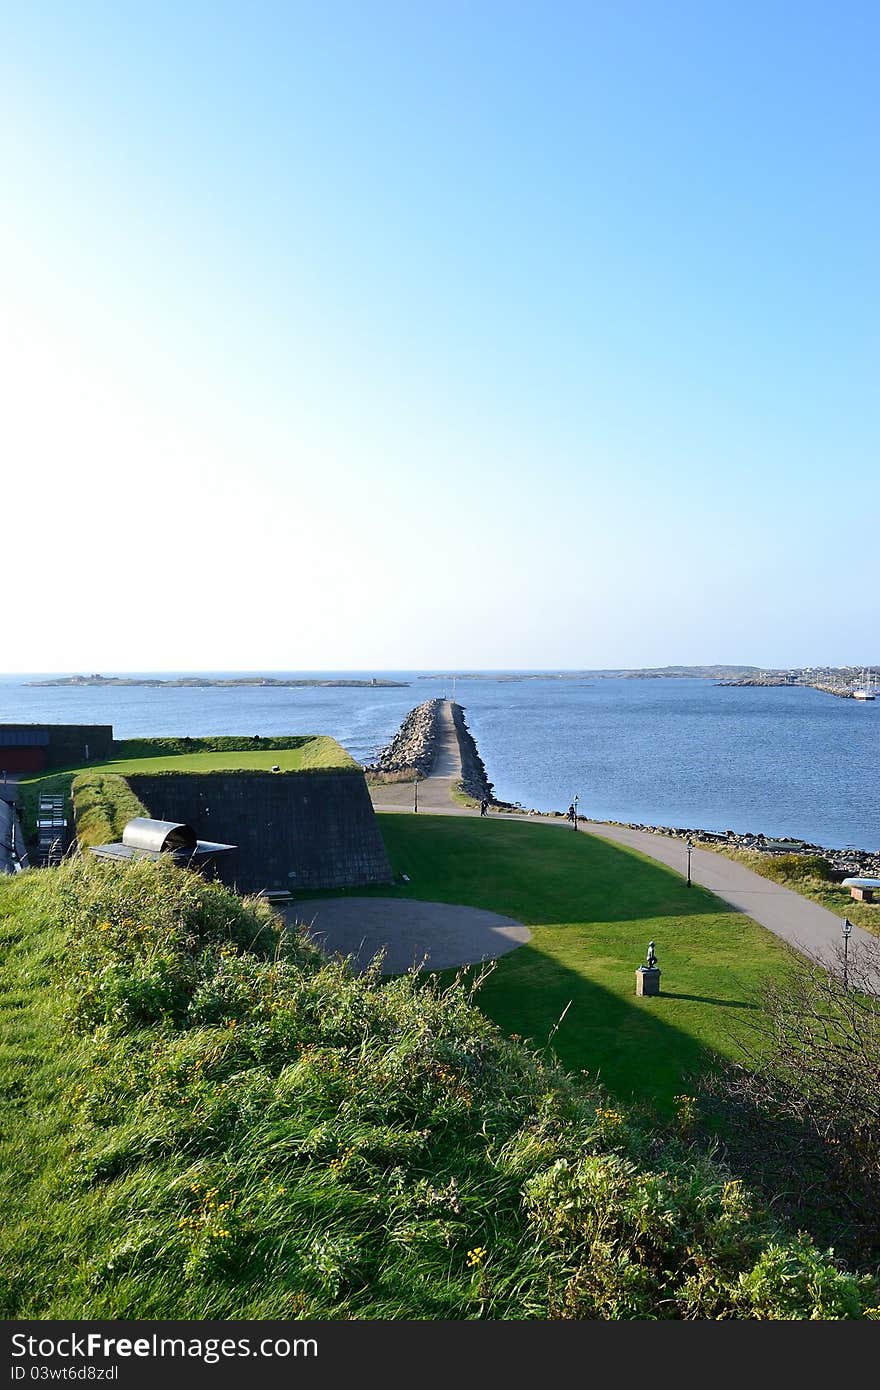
{"points": [[476, 335]]}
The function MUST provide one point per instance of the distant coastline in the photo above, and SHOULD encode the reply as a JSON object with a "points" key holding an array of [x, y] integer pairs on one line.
{"points": [[716, 673], [846, 682], [205, 682], [636, 751]]}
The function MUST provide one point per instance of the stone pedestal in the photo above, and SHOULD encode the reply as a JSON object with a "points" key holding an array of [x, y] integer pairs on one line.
{"points": [[647, 980]]}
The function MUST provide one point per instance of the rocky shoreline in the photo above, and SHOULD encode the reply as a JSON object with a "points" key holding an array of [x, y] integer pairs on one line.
{"points": [[842, 862], [414, 746], [841, 681], [414, 749], [474, 779]]}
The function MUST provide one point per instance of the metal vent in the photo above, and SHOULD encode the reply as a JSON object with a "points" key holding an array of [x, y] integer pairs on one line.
{"points": [[160, 836]]}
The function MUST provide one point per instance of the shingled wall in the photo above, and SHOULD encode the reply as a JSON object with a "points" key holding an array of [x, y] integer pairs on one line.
{"points": [[293, 830]]}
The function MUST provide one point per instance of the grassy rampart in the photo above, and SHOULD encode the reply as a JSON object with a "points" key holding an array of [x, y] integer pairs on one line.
{"points": [[200, 1116]]}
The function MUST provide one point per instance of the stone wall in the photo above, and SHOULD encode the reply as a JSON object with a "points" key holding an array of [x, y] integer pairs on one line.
{"points": [[414, 746], [474, 779], [73, 744], [293, 830]]}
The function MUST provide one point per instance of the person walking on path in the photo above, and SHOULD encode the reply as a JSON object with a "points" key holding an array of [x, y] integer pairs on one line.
{"points": [[484, 806]]}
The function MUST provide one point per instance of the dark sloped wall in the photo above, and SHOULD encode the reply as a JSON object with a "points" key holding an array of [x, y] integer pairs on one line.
{"points": [[293, 830]]}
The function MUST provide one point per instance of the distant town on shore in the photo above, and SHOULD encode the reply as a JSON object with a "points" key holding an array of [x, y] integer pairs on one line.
{"points": [[836, 680]]}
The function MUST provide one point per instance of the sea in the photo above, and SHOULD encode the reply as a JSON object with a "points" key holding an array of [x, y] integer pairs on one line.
{"points": [[780, 761]]}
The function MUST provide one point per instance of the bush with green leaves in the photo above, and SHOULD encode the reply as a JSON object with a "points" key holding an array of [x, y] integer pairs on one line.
{"points": [[801, 1114]]}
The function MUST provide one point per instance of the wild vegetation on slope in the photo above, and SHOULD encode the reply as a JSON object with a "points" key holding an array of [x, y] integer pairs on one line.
{"points": [[99, 804], [207, 1118], [103, 804]]}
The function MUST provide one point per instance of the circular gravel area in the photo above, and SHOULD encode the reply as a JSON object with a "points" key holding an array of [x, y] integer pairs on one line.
{"points": [[436, 935]]}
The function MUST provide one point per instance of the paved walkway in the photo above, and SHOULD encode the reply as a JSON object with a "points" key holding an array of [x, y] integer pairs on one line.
{"points": [[795, 919], [435, 792], [409, 931]]}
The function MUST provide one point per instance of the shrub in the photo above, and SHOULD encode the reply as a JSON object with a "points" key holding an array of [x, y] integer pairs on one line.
{"points": [[796, 866], [801, 1117]]}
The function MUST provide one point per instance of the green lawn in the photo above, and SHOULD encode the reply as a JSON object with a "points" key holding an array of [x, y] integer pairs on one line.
{"points": [[593, 907], [313, 754]]}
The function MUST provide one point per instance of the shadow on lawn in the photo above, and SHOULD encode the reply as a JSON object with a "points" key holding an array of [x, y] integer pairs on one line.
{"points": [[534, 873], [622, 1041], [708, 999]]}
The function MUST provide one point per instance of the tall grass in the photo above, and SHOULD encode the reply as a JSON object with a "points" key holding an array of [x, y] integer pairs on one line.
{"points": [[205, 1117], [103, 803], [99, 804]]}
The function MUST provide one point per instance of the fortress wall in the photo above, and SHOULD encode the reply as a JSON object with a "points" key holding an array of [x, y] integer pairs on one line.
{"points": [[293, 830]]}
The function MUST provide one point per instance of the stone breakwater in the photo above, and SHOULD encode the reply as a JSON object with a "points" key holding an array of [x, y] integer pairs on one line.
{"points": [[843, 862], [474, 779], [414, 746]]}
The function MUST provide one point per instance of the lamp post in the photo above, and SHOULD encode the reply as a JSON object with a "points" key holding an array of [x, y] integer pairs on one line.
{"points": [[415, 791], [574, 823], [847, 933], [689, 847]]}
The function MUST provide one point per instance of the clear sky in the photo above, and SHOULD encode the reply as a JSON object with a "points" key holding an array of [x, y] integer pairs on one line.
{"points": [[461, 335]]}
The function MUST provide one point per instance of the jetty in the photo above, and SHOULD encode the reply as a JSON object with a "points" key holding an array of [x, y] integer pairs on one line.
{"points": [[430, 761], [434, 737]]}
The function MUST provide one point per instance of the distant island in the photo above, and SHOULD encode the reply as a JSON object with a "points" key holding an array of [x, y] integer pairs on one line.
{"points": [[205, 682]]}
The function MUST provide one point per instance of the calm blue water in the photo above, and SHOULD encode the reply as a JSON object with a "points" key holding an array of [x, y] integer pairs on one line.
{"points": [[665, 752]]}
